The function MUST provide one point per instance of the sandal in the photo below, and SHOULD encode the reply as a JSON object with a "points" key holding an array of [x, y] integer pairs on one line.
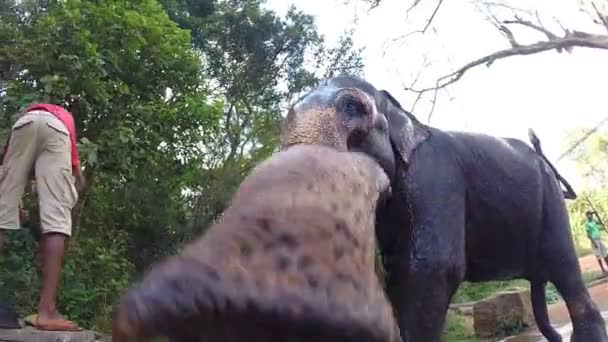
{"points": [[30, 320]]}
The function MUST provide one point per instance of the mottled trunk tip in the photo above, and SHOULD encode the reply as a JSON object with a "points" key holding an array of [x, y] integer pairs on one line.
{"points": [[291, 260]]}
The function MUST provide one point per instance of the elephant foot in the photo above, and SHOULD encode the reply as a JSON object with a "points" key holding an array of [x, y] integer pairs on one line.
{"points": [[291, 260], [593, 334], [591, 328], [590, 332]]}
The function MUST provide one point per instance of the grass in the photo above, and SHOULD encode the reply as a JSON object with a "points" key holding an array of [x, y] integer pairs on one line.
{"points": [[471, 292], [460, 328], [583, 250]]}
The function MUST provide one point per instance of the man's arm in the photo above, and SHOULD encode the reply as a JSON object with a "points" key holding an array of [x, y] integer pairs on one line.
{"points": [[597, 220]]}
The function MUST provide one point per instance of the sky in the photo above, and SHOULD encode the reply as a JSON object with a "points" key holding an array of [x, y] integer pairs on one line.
{"points": [[549, 92]]}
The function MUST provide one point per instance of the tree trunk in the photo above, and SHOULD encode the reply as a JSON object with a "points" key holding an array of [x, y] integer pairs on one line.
{"points": [[89, 182]]}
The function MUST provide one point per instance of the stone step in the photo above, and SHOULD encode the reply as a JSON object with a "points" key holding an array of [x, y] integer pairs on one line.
{"points": [[29, 334], [503, 314]]}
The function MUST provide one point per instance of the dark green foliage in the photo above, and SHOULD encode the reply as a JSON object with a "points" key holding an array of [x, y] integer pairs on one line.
{"points": [[256, 63], [174, 100]]}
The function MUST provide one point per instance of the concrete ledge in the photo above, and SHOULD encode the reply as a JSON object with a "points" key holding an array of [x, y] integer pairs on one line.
{"points": [[598, 282], [29, 334]]}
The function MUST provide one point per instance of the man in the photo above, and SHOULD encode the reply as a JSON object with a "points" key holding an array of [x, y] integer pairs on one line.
{"points": [[593, 233], [43, 140]]}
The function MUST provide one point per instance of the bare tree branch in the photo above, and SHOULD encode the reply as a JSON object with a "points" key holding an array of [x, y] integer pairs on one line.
{"points": [[372, 3], [568, 41], [489, 4], [428, 22], [519, 21], [583, 138], [426, 25], [425, 65], [602, 17], [375, 3], [414, 4], [564, 40], [509, 35]]}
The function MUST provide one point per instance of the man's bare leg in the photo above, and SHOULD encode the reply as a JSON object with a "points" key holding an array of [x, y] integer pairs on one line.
{"points": [[599, 261], [53, 249]]}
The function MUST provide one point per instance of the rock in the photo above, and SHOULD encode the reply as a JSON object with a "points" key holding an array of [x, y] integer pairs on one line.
{"points": [[465, 310], [503, 314], [29, 334]]}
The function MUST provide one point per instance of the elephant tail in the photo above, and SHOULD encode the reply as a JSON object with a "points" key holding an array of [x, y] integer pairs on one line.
{"points": [[569, 193], [541, 314]]}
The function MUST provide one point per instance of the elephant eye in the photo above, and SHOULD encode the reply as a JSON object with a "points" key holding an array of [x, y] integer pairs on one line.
{"points": [[352, 106]]}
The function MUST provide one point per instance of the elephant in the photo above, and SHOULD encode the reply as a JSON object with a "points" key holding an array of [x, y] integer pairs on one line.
{"points": [[291, 259], [464, 207]]}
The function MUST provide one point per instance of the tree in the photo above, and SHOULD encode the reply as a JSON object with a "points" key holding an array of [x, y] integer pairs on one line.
{"points": [[505, 16], [257, 63], [590, 156], [114, 84], [174, 103], [135, 86]]}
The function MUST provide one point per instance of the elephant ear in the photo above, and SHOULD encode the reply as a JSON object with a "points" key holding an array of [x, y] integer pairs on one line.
{"points": [[405, 131]]}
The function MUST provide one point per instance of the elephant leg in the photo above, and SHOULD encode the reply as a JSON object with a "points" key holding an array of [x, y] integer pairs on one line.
{"points": [[430, 290], [564, 272], [541, 313], [587, 322], [431, 264], [435, 269], [396, 289], [394, 237]]}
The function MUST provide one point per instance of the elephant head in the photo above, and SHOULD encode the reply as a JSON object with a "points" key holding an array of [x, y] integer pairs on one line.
{"points": [[292, 259], [348, 113]]}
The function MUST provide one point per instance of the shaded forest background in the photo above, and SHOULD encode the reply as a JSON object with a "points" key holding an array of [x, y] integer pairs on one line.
{"points": [[174, 101]]}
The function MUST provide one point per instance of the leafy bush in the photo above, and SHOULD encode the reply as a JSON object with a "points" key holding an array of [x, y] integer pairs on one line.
{"points": [[95, 275], [19, 279]]}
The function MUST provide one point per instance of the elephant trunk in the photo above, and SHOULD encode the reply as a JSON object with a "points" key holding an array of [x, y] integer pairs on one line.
{"points": [[291, 260]]}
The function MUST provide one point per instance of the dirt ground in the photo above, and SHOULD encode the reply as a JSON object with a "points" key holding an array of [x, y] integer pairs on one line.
{"points": [[589, 263], [599, 293], [559, 313]]}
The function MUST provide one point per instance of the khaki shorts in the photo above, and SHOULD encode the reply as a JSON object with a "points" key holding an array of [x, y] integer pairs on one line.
{"points": [[599, 249], [41, 142]]}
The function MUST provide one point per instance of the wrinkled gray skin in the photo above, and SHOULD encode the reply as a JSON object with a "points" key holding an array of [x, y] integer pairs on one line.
{"points": [[464, 206], [292, 259]]}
